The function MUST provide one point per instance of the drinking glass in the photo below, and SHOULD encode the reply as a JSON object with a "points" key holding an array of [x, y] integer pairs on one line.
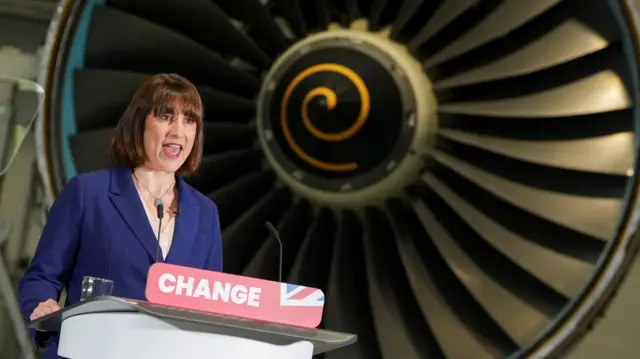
{"points": [[95, 287]]}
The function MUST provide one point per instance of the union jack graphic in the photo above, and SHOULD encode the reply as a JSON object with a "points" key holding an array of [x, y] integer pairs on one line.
{"points": [[292, 295]]}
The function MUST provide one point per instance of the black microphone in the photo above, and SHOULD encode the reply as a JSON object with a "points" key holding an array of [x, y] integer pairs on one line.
{"points": [[160, 212], [274, 232]]}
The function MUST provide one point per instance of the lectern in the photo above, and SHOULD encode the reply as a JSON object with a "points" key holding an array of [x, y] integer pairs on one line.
{"points": [[110, 327]]}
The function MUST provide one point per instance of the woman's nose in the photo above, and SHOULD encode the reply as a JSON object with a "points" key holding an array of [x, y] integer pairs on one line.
{"points": [[177, 126]]}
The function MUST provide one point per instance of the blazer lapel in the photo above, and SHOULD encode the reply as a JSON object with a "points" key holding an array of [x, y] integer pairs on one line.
{"points": [[186, 225], [125, 198]]}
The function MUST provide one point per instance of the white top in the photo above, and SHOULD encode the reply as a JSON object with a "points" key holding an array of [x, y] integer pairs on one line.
{"points": [[166, 233]]}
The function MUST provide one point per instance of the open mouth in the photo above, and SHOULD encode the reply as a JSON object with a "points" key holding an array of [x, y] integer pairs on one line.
{"points": [[172, 150]]}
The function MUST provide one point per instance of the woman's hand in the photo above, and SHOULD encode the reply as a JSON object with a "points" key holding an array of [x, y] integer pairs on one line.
{"points": [[44, 308]]}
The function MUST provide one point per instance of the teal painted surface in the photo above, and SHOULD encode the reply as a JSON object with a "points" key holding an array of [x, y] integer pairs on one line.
{"points": [[75, 60]]}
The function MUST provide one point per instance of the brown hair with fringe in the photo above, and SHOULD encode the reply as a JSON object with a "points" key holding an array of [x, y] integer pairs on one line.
{"points": [[156, 96]]}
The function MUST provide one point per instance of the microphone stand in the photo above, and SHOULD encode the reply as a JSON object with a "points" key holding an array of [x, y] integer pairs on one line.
{"points": [[274, 232], [160, 212]]}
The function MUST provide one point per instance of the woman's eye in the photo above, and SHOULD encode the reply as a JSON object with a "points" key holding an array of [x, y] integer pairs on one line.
{"points": [[190, 120], [166, 117]]}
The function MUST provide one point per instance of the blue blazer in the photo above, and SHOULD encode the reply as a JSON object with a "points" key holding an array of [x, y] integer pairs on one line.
{"points": [[98, 227]]}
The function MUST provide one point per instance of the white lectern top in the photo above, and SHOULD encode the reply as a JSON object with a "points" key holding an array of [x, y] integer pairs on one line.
{"points": [[322, 340]]}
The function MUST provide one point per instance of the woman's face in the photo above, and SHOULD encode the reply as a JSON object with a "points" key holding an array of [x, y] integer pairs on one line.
{"points": [[168, 138]]}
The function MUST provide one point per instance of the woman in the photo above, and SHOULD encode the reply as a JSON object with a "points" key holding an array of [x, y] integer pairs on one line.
{"points": [[104, 224]]}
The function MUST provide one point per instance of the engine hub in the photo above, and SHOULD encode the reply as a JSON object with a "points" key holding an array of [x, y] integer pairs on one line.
{"points": [[345, 118]]}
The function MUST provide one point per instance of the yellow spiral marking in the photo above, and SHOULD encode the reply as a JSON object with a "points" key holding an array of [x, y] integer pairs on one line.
{"points": [[332, 100]]}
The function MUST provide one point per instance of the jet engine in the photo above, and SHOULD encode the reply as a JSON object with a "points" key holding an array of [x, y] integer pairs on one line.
{"points": [[458, 176]]}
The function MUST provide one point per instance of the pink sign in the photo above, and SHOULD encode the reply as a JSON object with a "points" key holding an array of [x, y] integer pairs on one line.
{"points": [[234, 295]]}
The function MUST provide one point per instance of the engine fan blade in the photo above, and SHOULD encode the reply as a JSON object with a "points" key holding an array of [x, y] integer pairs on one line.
{"points": [[493, 26], [113, 47], [117, 87], [203, 21]]}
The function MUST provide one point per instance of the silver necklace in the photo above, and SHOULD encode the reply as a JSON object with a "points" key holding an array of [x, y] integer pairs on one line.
{"points": [[149, 191]]}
